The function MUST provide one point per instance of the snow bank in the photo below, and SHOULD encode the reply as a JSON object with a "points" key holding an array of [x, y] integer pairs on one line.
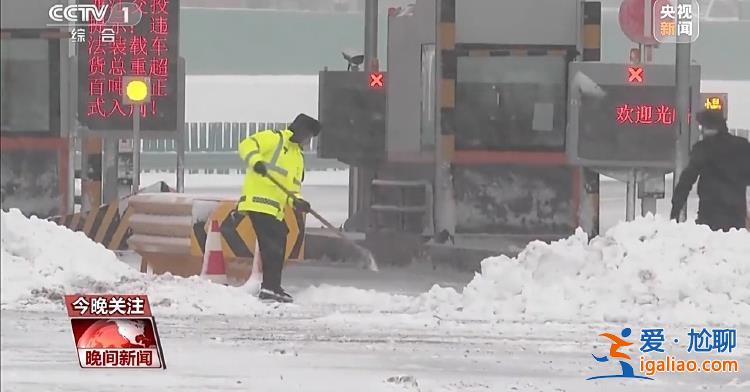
{"points": [[42, 261], [649, 270]]}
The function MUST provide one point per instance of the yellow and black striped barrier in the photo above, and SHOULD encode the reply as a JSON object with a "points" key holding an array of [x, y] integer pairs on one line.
{"points": [[108, 224], [104, 224], [238, 236]]}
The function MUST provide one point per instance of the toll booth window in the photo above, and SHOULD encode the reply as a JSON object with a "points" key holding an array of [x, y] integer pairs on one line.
{"points": [[26, 92], [511, 103]]}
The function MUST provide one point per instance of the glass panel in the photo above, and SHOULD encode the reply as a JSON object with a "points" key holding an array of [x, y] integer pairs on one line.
{"points": [[25, 85], [511, 103], [427, 122]]}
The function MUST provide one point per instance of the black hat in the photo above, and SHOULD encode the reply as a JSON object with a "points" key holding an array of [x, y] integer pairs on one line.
{"points": [[713, 119], [304, 122]]}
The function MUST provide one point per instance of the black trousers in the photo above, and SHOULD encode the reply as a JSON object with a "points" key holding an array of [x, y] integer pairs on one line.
{"points": [[271, 234]]}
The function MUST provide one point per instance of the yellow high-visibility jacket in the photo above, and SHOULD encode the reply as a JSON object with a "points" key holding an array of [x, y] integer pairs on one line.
{"points": [[283, 159]]}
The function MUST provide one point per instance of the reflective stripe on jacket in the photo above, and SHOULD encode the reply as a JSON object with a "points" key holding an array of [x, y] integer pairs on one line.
{"points": [[283, 159]]}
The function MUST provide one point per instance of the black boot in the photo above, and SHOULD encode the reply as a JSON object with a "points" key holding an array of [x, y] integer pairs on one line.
{"points": [[278, 296], [285, 294]]}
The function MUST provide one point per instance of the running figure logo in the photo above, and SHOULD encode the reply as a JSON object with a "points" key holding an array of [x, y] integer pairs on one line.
{"points": [[614, 354]]}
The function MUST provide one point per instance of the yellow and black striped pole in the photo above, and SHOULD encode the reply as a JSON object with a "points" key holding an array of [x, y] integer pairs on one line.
{"points": [[447, 65], [592, 51]]}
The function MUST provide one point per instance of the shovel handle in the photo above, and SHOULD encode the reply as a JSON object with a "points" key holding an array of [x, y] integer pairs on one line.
{"points": [[314, 213]]}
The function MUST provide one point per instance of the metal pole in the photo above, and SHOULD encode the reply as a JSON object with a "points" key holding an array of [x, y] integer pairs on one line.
{"points": [[109, 169], [648, 204], [682, 80], [371, 33], [181, 158], [648, 9], [438, 196], [85, 201], [136, 148], [360, 177], [73, 132], [630, 197]]}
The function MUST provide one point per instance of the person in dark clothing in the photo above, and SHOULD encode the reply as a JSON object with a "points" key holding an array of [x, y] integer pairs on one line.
{"points": [[722, 161]]}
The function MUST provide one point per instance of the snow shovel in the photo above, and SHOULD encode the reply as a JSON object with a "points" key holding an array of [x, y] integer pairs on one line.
{"points": [[366, 254]]}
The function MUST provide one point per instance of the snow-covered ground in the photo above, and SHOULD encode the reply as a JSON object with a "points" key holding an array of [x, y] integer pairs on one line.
{"points": [[523, 324]]}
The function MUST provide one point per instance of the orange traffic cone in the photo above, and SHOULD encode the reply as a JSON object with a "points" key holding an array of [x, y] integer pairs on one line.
{"points": [[213, 257]]}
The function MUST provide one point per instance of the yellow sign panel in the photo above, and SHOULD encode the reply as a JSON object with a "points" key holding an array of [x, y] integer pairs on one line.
{"points": [[713, 103], [716, 101]]}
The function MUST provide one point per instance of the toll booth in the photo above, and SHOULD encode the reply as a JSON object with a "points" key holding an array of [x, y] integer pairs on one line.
{"points": [[475, 125], [36, 136]]}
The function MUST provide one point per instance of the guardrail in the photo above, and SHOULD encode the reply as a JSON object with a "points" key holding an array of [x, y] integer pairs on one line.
{"points": [[221, 162], [226, 136], [741, 133], [211, 147], [214, 136]]}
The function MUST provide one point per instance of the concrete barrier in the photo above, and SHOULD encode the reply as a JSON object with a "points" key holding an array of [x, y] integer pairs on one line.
{"points": [[169, 232], [108, 224]]}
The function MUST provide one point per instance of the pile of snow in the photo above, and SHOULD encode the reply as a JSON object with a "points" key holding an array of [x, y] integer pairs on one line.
{"points": [[42, 261], [649, 270]]}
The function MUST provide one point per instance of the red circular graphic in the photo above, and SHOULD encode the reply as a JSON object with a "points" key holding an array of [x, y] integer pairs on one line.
{"points": [[116, 333], [631, 21]]}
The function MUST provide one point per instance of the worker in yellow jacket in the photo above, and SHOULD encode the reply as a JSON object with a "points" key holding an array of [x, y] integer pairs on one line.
{"points": [[277, 154]]}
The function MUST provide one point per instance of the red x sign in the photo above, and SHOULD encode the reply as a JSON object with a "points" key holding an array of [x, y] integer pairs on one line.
{"points": [[376, 80], [635, 74]]}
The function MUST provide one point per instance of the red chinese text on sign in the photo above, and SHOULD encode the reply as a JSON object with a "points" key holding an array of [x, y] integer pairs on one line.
{"points": [[645, 114], [107, 305], [141, 50]]}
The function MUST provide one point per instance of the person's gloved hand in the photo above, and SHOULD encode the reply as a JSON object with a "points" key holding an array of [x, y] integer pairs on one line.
{"points": [[260, 168], [301, 205]]}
